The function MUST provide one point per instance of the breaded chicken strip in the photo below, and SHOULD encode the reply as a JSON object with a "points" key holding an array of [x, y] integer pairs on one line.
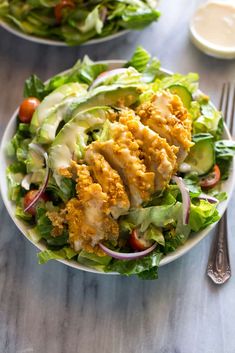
{"points": [[166, 115], [109, 180], [88, 215], [158, 155], [123, 154]]}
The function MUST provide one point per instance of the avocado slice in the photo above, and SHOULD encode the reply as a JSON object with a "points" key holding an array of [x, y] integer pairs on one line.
{"points": [[114, 95], [47, 132], [72, 139], [51, 102], [105, 95]]}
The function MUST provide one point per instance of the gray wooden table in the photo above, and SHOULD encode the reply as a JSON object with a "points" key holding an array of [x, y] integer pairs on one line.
{"points": [[56, 309]]}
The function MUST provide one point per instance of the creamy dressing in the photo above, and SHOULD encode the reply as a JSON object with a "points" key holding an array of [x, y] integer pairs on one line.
{"points": [[215, 23], [162, 103]]}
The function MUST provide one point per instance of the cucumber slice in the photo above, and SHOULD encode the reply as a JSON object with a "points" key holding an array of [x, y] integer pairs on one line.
{"points": [[183, 93], [201, 157]]}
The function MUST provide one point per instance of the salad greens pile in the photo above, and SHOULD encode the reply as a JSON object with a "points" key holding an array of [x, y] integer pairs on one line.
{"points": [[77, 21], [160, 218]]}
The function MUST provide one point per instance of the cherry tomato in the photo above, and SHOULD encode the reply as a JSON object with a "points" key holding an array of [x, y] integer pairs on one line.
{"points": [[137, 240], [210, 180], [59, 7], [29, 197], [27, 108]]}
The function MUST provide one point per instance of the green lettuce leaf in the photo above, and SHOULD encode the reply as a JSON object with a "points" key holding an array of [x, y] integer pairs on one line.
{"points": [[65, 253], [15, 174], [82, 72], [209, 121], [137, 14], [190, 81], [154, 233], [34, 87], [202, 214], [159, 216], [143, 63], [92, 260], [44, 227], [65, 191], [224, 151], [4, 7], [127, 78], [91, 22], [145, 267], [139, 59]]}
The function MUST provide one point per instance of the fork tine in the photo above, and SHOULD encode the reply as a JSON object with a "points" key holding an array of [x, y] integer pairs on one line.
{"points": [[222, 97], [232, 117], [227, 95], [227, 104]]}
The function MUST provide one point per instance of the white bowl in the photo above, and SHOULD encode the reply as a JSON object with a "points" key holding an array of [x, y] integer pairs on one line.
{"points": [[54, 42], [206, 46], [209, 48], [10, 206]]}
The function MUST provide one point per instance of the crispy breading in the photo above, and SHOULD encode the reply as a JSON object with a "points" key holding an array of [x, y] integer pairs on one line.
{"points": [[123, 154], [159, 156], [66, 172], [86, 234], [110, 181], [88, 216], [166, 115], [58, 221]]}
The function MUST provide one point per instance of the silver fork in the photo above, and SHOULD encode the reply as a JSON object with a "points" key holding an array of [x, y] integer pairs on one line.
{"points": [[218, 268]]}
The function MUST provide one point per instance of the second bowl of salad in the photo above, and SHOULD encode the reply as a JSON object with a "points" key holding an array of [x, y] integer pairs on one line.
{"points": [[73, 22]]}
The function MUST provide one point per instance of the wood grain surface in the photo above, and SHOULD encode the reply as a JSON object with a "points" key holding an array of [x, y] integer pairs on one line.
{"points": [[56, 309]]}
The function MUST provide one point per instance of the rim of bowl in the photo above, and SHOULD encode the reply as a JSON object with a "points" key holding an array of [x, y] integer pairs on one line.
{"points": [[54, 42], [193, 239]]}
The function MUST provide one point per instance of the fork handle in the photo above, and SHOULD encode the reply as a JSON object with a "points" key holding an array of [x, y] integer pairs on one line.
{"points": [[218, 268]]}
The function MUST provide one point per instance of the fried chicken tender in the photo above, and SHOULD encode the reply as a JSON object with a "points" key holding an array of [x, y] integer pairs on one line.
{"points": [[166, 115], [159, 156], [109, 180], [123, 154], [88, 216]]}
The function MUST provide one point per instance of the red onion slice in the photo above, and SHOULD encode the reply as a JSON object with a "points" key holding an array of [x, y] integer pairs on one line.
{"points": [[105, 75], [127, 256], [41, 151], [185, 198], [208, 198]]}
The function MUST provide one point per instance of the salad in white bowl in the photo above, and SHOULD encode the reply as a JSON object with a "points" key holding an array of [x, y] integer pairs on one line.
{"points": [[113, 169], [73, 22]]}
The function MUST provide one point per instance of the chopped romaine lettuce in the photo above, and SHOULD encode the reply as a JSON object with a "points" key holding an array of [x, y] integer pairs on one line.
{"points": [[190, 81], [81, 21], [210, 121], [34, 87], [66, 253], [160, 216], [202, 214], [145, 267]]}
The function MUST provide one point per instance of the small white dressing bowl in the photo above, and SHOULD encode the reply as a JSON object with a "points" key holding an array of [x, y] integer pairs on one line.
{"points": [[212, 22]]}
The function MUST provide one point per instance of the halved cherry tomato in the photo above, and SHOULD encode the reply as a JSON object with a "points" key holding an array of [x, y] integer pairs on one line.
{"points": [[138, 241], [211, 179], [27, 108], [29, 197], [59, 7]]}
